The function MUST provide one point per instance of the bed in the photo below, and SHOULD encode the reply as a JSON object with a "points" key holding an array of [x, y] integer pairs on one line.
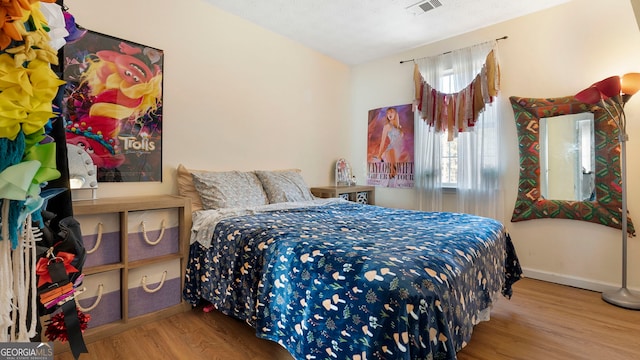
{"points": [[333, 279]]}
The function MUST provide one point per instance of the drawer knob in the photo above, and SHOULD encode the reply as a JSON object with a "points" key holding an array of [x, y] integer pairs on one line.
{"points": [[151, 291], [146, 238]]}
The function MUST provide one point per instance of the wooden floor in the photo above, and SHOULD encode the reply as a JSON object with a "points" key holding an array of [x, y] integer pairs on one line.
{"points": [[541, 321]]}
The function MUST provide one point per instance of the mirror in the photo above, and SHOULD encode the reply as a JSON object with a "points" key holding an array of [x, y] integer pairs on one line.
{"points": [[567, 157], [539, 195]]}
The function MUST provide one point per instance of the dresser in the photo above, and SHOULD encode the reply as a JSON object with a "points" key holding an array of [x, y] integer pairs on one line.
{"points": [[137, 249]]}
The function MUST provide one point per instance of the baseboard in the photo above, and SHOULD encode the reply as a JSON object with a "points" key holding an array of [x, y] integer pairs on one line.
{"points": [[571, 281]]}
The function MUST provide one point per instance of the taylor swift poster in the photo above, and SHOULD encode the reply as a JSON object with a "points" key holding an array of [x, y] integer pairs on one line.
{"points": [[112, 106], [390, 155]]}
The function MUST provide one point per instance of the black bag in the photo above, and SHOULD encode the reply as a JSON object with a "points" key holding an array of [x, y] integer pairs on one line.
{"points": [[66, 236]]}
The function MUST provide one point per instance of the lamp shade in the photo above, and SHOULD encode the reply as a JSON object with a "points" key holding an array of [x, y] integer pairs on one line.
{"points": [[590, 95], [609, 87], [630, 83]]}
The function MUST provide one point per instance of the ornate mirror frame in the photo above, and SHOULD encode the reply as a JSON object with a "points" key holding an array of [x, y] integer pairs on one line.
{"points": [[606, 208]]}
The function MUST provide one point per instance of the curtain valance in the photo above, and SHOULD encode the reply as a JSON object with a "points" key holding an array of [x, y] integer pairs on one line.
{"points": [[457, 111]]}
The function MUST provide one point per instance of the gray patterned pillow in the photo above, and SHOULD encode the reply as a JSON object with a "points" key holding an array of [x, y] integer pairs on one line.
{"points": [[284, 186], [227, 189]]}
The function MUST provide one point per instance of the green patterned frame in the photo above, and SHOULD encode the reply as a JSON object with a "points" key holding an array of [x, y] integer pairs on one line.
{"points": [[606, 208]]}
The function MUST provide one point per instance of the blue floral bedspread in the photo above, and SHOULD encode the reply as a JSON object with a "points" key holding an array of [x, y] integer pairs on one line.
{"points": [[351, 281]]}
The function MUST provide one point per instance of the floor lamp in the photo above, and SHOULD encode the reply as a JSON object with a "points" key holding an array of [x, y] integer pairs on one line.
{"points": [[612, 94]]}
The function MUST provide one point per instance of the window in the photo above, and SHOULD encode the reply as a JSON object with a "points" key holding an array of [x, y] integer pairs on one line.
{"points": [[449, 161], [469, 165]]}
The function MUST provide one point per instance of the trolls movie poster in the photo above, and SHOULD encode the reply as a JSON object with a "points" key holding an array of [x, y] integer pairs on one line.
{"points": [[112, 106]]}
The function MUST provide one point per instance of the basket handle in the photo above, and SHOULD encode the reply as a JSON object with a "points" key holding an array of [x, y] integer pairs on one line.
{"points": [[98, 240], [87, 309], [151, 291], [146, 238]]}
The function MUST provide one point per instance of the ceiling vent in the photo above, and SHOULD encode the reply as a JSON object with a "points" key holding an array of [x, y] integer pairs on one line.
{"points": [[424, 6]]}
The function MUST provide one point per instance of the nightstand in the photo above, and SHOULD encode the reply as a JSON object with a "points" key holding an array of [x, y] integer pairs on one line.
{"points": [[363, 194]]}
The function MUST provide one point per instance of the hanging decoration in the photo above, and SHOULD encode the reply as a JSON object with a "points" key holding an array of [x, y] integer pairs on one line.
{"points": [[459, 111], [31, 33], [57, 329]]}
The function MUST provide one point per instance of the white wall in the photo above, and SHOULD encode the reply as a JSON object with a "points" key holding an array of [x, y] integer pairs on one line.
{"points": [[236, 97], [552, 53], [239, 97]]}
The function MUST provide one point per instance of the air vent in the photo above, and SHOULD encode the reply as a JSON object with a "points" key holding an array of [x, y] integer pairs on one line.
{"points": [[424, 6]]}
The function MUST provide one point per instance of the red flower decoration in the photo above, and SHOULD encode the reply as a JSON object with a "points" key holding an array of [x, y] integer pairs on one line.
{"points": [[57, 330]]}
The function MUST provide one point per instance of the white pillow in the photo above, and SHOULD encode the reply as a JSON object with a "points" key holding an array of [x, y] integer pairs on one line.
{"points": [[227, 189], [284, 186]]}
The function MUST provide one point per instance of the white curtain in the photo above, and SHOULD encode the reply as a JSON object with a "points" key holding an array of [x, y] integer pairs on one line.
{"points": [[479, 149], [427, 157]]}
